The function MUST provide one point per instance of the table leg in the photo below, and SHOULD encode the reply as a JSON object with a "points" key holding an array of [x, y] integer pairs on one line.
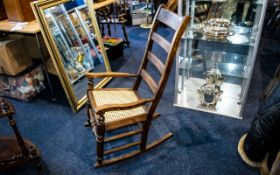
{"points": [[115, 18], [45, 67]]}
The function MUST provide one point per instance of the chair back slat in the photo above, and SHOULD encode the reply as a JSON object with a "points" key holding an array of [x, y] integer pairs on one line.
{"points": [[169, 19], [149, 80], [175, 22], [161, 41], [156, 61]]}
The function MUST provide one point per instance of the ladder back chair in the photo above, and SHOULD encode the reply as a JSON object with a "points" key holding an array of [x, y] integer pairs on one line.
{"points": [[113, 108]]}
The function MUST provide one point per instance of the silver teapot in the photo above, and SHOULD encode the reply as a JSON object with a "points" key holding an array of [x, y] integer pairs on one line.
{"points": [[209, 94]]}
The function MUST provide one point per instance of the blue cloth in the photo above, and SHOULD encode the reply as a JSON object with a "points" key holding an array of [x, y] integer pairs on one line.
{"points": [[72, 4]]}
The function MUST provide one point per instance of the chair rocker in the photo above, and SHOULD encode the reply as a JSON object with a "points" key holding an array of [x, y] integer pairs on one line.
{"points": [[114, 108]]}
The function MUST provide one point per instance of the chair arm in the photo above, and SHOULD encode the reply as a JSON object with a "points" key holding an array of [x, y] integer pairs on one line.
{"points": [[114, 107], [109, 74]]}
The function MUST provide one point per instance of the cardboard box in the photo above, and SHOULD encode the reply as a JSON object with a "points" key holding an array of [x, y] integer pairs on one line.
{"points": [[50, 67], [19, 10], [3, 14], [33, 48], [14, 57]]}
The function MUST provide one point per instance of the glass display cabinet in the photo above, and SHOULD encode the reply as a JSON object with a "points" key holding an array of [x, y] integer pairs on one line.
{"points": [[216, 59], [141, 11]]}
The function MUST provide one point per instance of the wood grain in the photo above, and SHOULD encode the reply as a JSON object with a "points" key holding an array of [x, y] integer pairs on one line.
{"points": [[32, 27], [161, 41], [109, 74], [120, 148], [150, 81], [156, 61], [170, 19], [123, 135]]}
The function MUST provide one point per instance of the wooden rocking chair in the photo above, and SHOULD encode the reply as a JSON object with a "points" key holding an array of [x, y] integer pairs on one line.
{"points": [[111, 108]]}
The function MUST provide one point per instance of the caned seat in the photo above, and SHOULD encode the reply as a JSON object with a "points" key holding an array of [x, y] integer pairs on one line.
{"points": [[114, 108], [117, 96]]}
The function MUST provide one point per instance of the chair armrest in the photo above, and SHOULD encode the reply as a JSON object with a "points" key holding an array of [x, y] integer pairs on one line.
{"points": [[114, 107], [109, 74]]}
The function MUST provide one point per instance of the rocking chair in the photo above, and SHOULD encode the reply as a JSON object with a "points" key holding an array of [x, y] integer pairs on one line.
{"points": [[114, 108]]}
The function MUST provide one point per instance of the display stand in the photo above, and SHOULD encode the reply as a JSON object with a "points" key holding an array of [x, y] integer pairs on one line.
{"points": [[215, 63], [147, 25]]}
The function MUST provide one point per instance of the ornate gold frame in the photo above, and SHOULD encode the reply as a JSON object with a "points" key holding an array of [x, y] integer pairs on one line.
{"points": [[38, 7]]}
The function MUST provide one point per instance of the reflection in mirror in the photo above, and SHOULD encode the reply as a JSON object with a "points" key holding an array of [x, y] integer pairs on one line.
{"points": [[72, 39]]}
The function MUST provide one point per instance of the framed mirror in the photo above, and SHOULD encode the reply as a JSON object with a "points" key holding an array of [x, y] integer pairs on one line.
{"points": [[74, 42]]}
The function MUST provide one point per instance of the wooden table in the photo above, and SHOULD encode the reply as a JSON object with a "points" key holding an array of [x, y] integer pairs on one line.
{"points": [[103, 4], [31, 28]]}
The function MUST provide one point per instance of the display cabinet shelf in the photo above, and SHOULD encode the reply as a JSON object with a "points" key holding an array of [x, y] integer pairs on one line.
{"points": [[231, 64], [228, 105], [258, 2], [237, 40], [216, 58]]}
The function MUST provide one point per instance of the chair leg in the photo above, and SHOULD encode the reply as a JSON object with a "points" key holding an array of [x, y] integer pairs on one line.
{"points": [[144, 135], [100, 131], [87, 122], [125, 35]]}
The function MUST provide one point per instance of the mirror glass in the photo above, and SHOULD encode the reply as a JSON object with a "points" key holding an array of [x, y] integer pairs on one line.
{"points": [[71, 36]]}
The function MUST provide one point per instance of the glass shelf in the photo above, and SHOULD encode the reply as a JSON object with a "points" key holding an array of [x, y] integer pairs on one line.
{"points": [[258, 2], [237, 38], [230, 64], [228, 104]]}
